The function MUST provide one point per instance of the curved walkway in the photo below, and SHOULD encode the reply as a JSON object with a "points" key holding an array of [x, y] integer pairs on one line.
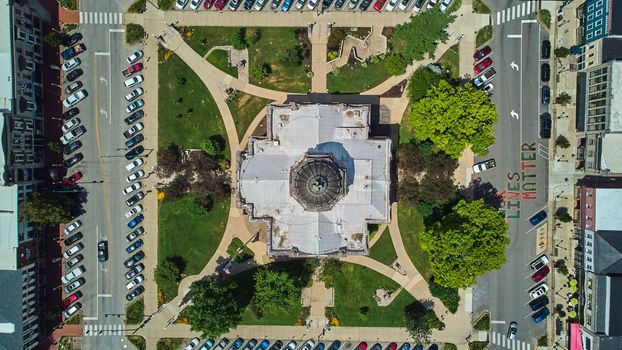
{"points": [[374, 44]]}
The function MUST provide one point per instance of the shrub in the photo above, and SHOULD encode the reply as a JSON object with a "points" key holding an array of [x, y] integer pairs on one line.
{"points": [[479, 7], [165, 4], [450, 346], [483, 324], [290, 56], [563, 269], [134, 33], [329, 269], [69, 4], [562, 214], [134, 313], [260, 71], [332, 55], [563, 99], [449, 296], [545, 17], [562, 141], [562, 52], [396, 64], [53, 39], [139, 6], [210, 147], [483, 35], [238, 39], [253, 35], [543, 340], [478, 345]]}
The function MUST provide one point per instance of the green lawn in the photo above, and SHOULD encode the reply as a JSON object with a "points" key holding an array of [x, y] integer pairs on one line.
{"points": [[244, 108], [170, 343], [358, 78], [451, 60], [220, 59], [383, 249], [134, 313], [245, 254], [138, 341], [186, 233], [411, 223], [483, 35], [204, 38], [354, 289], [407, 133], [187, 112]]}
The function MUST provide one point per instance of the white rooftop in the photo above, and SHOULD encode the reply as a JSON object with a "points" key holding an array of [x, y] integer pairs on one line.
{"points": [[615, 104], [611, 153], [607, 209], [340, 132]]}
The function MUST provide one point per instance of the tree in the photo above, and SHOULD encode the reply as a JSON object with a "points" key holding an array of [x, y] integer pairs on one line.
{"points": [[50, 209], [134, 33], [562, 52], [396, 64], [329, 269], [259, 71], [165, 4], [562, 141], [290, 56], [454, 118], [216, 307], [564, 99], [209, 147], [139, 6], [215, 184], [178, 187], [420, 321], [420, 82], [253, 35], [53, 39], [275, 292], [466, 243], [562, 214], [449, 296], [169, 160], [167, 275], [421, 35], [238, 38]]}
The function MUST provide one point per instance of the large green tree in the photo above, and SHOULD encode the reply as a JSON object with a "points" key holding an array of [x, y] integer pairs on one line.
{"points": [[420, 321], [466, 243], [48, 209], [420, 82], [421, 35], [275, 291], [216, 307], [167, 275], [454, 118]]}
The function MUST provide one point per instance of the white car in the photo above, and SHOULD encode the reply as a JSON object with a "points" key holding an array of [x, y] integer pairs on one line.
{"points": [[193, 344], [136, 281], [134, 81], [135, 105], [538, 290], [75, 273], [135, 164], [70, 124], [71, 64], [259, 4], [72, 227], [72, 134], [135, 176], [431, 4], [194, 4], [290, 346], [73, 250], [312, 4], [488, 88], [133, 130], [403, 5], [133, 187], [391, 5], [134, 270], [180, 4], [137, 209], [75, 98], [135, 56], [134, 93], [445, 5], [72, 310]]}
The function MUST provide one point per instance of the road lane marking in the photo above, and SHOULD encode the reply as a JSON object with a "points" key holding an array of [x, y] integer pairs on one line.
{"points": [[89, 318], [116, 30], [497, 322], [104, 295], [102, 53], [529, 21], [514, 36]]}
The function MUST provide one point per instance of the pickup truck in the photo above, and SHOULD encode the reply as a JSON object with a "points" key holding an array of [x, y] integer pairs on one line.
{"points": [[484, 77], [73, 51], [483, 166], [132, 69]]}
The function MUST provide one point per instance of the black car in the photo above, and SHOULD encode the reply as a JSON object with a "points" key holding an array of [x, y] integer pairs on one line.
{"points": [[72, 147], [339, 4], [326, 4], [248, 4], [74, 74], [102, 251], [136, 292], [545, 126], [71, 113], [545, 72], [539, 303], [134, 259], [277, 345], [73, 160], [72, 39], [135, 199], [134, 141], [545, 49], [73, 238], [275, 4], [365, 5], [73, 87], [133, 153], [546, 95], [335, 345], [134, 117]]}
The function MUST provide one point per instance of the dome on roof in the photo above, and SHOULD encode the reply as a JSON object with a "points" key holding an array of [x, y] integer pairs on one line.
{"points": [[317, 182]]}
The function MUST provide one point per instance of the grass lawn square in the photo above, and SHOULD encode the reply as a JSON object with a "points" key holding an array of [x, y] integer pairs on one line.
{"points": [[451, 60], [244, 108], [357, 78], [187, 112], [411, 223], [220, 59], [204, 38], [383, 250]]}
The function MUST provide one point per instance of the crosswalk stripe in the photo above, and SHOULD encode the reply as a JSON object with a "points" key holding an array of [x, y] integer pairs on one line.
{"points": [[528, 346], [81, 17], [501, 340], [498, 17], [105, 18], [513, 12]]}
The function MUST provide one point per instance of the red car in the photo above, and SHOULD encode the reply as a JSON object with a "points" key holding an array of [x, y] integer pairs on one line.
{"points": [[220, 4], [540, 274], [482, 65], [391, 346], [378, 5], [73, 179], [137, 67], [208, 4], [72, 299], [483, 52], [362, 346]]}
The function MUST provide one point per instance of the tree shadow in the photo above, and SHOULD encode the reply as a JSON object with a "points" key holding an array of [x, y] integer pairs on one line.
{"points": [[179, 261], [483, 190]]}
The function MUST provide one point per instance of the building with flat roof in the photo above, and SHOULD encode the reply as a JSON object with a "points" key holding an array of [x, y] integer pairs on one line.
{"points": [[317, 179]]}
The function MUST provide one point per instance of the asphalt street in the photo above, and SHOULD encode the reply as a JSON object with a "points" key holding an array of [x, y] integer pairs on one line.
{"points": [[520, 179]]}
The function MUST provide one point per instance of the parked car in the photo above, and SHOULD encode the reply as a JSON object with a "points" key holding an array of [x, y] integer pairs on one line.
{"points": [[251, 344], [312, 4], [73, 274], [545, 72], [546, 95], [192, 344], [260, 4], [73, 238], [220, 4], [135, 210], [444, 5], [134, 117], [339, 4], [73, 160], [300, 4], [233, 4], [512, 329], [72, 134], [208, 4], [326, 4], [72, 147], [71, 299], [134, 259], [180, 4], [376, 346], [483, 166], [135, 164], [134, 271], [308, 345], [237, 344], [135, 221], [482, 53], [73, 227], [541, 315], [248, 4], [74, 261], [379, 4], [102, 251], [418, 5], [538, 217], [278, 345], [134, 199], [74, 74], [134, 94], [391, 5], [72, 39], [538, 290], [135, 176], [291, 345], [70, 124], [134, 141], [545, 49], [135, 233], [133, 81], [71, 64], [286, 5], [73, 51], [365, 5], [405, 346], [222, 344], [133, 130], [73, 87], [539, 262], [70, 113], [264, 345], [136, 281], [540, 274], [391, 346], [484, 77], [485, 63], [209, 343], [361, 346], [74, 285], [194, 4], [135, 293], [403, 5], [135, 105], [488, 88], [545, 125], [133, 187], [75, 98], [72, 179], [135, 56], [539, 303], [431, 4], [135, 152], [72, 310]]}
